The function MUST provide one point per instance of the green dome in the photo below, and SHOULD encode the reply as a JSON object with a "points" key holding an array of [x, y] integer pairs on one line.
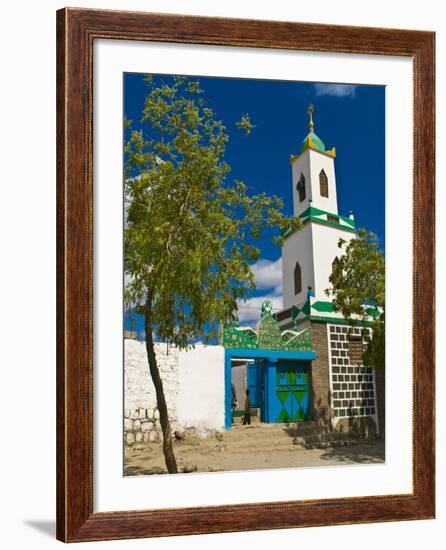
{"points": [[313, 141]]}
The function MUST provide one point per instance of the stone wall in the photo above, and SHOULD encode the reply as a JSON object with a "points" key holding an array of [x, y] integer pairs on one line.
{"points": [[142, 425], [320, 374], [193, 384], [141, 417]]}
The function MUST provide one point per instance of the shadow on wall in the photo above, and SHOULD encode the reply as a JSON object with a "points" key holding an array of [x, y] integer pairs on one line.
{"points": [[363, 427], [321, 412]]}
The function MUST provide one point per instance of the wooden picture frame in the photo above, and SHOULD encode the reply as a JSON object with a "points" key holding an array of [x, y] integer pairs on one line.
{"points": [[76, 31]]}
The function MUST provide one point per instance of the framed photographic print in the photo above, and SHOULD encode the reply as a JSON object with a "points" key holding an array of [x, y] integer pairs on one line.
{"points": [[245, 275]]}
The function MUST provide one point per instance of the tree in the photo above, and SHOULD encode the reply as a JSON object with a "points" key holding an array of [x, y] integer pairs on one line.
{"points": [[358, 289], [191, 231]]}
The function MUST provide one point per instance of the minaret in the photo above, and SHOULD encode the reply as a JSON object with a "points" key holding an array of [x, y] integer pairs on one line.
{"points": [[308, 254], [314, 179]]}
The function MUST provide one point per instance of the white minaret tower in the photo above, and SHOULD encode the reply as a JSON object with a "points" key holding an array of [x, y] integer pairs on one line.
{"points": [[308, 254]]}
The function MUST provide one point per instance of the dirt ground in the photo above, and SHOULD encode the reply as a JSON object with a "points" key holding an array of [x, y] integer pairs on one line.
{"points": [[261, 446]]}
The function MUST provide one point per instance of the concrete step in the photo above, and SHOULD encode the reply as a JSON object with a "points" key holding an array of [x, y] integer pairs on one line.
{"points": [[305, 429], [330, 444], [297, 427], [327, 436], [305, 424], [272, 432], [308, 435]]}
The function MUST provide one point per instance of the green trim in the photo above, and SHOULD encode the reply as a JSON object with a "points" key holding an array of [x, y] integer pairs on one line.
{"points": [[312, 214], [305, 309], [325, 307], [334, 321], [372, 312], [312, 211], [288, 232], [330, 224], [300, 315]]}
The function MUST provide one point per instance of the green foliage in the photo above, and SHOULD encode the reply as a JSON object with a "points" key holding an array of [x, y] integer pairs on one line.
{"points": [[190, 229], [358, 289], [358, 277], [375, 352], [245, 124]]}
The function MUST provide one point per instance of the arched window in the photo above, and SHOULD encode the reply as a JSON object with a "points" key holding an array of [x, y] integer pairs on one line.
{"points": [[300, 187], [323, 184], [297, 279]]}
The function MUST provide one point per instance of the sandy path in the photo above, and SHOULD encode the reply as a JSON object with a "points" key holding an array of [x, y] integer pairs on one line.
{"points": [[247, 448]]}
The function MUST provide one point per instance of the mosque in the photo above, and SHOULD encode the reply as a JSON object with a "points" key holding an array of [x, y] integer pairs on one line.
{"points": [[301, 364], [305, 362]]}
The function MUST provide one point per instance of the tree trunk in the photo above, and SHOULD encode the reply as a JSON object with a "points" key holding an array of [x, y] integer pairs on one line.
{"points": [[169, 456]]}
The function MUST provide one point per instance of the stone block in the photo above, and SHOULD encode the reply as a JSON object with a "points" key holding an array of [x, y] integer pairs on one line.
{"points": [[128, 424], [156, 414], [189, 468], [153, 436], [127, 413], [138, 437], [146, 436], [180, 435], [146, 426], [129, 438], [137, 424]]}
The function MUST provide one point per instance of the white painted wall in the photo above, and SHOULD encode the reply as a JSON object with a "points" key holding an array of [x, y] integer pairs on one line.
{"points": [[301, 166], [318, 162], [325, 249], [310, 163], [201, 399], [314, 247], [193, 380], [297, 247]]}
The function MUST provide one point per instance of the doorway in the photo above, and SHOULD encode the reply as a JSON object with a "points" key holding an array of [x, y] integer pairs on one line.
{"points": [[292, 392]]}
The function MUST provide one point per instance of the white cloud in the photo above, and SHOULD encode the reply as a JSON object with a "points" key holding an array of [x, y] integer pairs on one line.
{"points": [[249, 311], [268, 274], [336, 90]]}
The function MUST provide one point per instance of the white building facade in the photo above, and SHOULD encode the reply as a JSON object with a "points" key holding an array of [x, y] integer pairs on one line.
{"points": [[343, 390], [308, 254]]}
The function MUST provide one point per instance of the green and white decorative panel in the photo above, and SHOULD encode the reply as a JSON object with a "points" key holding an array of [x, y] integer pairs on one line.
{"points": [[268, 335]]}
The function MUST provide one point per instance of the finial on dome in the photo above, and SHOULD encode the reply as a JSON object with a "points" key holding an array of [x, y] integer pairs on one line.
{"points": [[310, 114]]}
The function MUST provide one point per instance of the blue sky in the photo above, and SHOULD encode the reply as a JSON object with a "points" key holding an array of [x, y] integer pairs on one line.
{"points": [[347, 116]]}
